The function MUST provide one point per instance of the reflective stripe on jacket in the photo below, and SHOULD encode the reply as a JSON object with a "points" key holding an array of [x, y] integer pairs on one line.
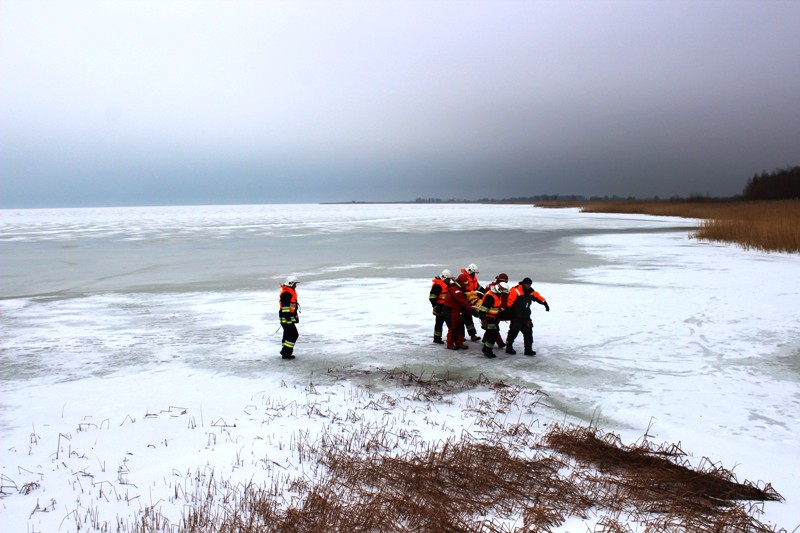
{"points": [[491, 306], [513, 294], [287, 306], [438, 291]]}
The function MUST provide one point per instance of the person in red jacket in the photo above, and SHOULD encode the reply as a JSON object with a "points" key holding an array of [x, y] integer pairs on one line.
{"points": [[519, 307], [502, 276], [456, 307], [436, 297], [489, 311], [289, 311]]}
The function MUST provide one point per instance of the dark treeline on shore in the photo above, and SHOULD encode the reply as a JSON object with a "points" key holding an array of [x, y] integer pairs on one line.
{"points": [[782, 184]]}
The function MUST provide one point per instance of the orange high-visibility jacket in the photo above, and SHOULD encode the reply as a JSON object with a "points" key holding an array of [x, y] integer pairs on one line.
{"points": [[491, 306], [287, 305], [474, 284], [438, 291]]}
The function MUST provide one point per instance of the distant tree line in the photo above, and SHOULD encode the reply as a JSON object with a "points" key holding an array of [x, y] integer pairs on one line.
{"points": [[537, 198], [515, 200], [441, 201], [780, 184]]}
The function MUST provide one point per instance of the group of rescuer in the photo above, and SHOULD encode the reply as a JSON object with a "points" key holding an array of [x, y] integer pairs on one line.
{"points": [[456, 301]]}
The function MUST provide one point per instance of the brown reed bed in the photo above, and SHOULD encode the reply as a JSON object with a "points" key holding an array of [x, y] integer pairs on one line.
{"points": [[770, 226], [667, 490], [501, 478], [469, 486]]}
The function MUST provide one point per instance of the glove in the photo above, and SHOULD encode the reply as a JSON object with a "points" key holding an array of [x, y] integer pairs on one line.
{"points": [[546, 307], [436, 312]]}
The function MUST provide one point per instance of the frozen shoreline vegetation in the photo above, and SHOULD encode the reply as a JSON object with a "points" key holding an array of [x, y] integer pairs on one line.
{"points": [[767, 225], [133, 340], [415, 453]]}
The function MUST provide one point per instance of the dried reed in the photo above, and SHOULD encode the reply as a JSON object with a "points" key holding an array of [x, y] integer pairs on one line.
{"points": [[508, 476], [771, 226]]}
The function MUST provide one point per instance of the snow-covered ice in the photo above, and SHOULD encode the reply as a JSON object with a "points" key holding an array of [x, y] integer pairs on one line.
{"points": [[139, 346]]}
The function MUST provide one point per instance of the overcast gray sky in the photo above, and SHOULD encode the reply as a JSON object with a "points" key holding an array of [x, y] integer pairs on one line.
{"points": [[183, 102]]}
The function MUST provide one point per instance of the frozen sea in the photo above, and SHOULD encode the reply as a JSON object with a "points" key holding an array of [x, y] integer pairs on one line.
{"points": [[108, 314]]}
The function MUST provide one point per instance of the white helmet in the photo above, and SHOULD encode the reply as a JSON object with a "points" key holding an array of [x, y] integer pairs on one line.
{"points": [[446, 274], [290, 281], [472, 269], [501, 288]]}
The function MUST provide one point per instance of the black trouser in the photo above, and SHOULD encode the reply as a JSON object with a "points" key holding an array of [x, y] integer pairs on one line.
{"points": [[470, 325], [491, 335], [290, 335], [526, 328], [438, 328]]}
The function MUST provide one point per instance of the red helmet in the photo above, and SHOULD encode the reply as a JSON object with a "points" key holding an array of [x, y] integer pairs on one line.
{"points": [[502, 276], [462, 280]]}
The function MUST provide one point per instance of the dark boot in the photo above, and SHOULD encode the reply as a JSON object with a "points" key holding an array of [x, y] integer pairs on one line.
{"points": [[488, 352], [530, 352], [474, 338], [438, 340], [510, 349]]}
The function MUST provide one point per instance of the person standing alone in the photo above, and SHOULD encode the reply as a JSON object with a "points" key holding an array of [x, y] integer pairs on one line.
{"points": [[289, 315]]}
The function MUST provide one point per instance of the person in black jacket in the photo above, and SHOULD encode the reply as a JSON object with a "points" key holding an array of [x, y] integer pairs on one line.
{"points": [[519, 302]]}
